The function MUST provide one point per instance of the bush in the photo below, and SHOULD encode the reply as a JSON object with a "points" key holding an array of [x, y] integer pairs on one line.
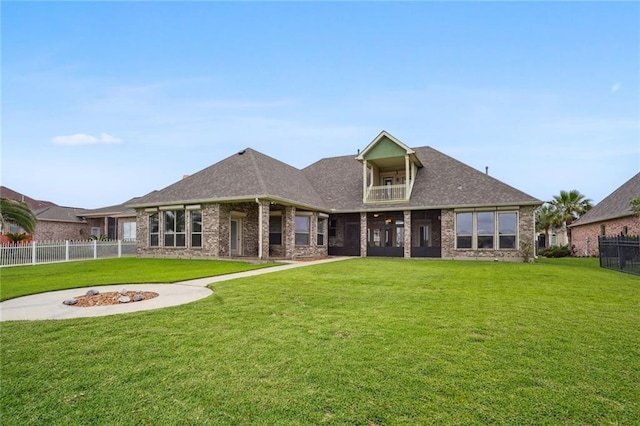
{"points": [[555, 251]]}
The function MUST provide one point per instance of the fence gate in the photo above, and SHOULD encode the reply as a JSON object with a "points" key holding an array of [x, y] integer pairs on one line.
{"points": [[621, 253]]}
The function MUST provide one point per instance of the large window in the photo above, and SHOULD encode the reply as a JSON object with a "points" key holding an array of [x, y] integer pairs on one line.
{"points": [[321, 224], [507, 226], [196, 228], [174, 228], [275, 230], [486, 230], [464, 230], [154, 230], [303, 228]]}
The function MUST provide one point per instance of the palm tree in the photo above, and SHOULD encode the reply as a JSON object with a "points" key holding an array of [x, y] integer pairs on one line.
{"points": [[16, 212], [570, 206], [547, 218]]}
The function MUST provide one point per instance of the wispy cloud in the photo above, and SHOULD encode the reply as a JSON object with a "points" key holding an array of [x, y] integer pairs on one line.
{"points": [[616, 87], [84, 139]]}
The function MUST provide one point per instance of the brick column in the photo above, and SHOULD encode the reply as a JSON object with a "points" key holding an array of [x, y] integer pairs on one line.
{"points": [[407, 234], [264, 227], [289, 232], [363, 234]]}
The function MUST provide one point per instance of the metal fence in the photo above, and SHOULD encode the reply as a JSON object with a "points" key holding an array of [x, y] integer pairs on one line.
{"points": [[37, 252], [621, 253]]}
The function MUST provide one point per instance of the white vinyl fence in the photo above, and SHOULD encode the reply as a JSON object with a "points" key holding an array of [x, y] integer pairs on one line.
{"points": [[63, 251]]}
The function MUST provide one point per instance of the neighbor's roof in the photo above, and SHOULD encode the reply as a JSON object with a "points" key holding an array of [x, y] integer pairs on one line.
{"points": [[615, 205], [59, 214], [246, 175], [118, 210], [32, 203], [442, 182]]}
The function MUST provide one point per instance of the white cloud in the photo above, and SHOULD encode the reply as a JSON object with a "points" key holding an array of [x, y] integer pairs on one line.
{"points": [[84, 139], [616, 87]]}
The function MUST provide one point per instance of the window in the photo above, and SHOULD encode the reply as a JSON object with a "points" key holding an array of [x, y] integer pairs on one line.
{"points": [[302, 230], [154, 229], [196, 228], [603, 230], [333, 227], [95, 232], [625, 230], [174, 228], [129, 231], [507, 230], [464, 230], [477, 230], [486, 230], [275, 230], [321, 222]]}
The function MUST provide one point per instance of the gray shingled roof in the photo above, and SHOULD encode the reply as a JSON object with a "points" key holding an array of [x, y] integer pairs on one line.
{"points": [[442, 182], [615, 205], [118, 210], [59, 214], [246, 175], [32, 203]]}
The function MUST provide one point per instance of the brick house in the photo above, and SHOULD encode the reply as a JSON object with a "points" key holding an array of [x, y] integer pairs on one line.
{"points": [[612, 216], [56, 223], [389, 200]]}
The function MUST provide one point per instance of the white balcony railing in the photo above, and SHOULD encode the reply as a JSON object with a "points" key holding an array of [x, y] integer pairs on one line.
{"points": [[386, 193]]}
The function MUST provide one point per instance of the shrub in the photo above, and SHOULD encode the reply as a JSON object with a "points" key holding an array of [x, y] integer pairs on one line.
{"points": [[555, 251]]}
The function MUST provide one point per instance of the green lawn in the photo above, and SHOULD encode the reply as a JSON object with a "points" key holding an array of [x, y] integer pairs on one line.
{"points": [[359, 342], [24, 280]]}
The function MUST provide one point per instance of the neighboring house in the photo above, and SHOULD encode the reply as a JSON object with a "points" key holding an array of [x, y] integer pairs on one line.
{"points": [[557, 237], [71, 223], [389, 200], [32, 203], [114, 222], [612, 216]]}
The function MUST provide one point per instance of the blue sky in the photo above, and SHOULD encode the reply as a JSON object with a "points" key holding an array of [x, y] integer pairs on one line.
{"points": [[105, 101]]}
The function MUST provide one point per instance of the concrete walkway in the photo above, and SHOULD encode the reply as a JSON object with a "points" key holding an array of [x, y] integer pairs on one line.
{"points": [[48, 306]]}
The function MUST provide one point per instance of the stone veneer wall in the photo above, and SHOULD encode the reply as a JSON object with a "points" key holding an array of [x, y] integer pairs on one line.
{"points": [[526, 228], [585, 237], [216, 219]]}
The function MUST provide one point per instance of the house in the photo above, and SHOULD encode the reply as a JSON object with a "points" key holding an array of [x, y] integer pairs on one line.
{"points": [[54, 222], [116, 222], [612, 216], [389, 200]]}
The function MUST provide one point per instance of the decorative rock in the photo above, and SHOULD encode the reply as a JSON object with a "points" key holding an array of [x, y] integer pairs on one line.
{"points": [[138, 297], [92, 292], [124, 299], [70, 301]]}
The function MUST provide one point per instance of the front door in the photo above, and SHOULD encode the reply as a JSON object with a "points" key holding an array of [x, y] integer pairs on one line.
{"points": [[235, 236]]}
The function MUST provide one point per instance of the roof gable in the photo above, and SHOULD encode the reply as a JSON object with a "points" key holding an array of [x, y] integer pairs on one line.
{"points": [[615, 205], [384, 146]]}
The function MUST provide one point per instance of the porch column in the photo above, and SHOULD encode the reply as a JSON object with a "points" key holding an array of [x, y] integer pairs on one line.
{"points": [[407, 178], [363, 234], [364, 181], [289, 234], [407, 234], [264, 209]]}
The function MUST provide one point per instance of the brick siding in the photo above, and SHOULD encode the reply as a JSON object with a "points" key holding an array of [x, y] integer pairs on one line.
{"points": [[585, 237]]}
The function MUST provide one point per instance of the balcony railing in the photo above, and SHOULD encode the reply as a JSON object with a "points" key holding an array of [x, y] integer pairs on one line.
{"points": [[384, 193]]}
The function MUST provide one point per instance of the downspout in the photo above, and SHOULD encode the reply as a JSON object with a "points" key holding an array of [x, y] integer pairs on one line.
{"points": [[259, 228]]}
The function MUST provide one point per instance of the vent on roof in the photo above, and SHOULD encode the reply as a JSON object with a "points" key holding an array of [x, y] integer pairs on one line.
{"points": [[242, 152]]}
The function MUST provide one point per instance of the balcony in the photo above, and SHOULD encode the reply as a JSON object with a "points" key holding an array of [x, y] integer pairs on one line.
{"points": [[386, 193]]}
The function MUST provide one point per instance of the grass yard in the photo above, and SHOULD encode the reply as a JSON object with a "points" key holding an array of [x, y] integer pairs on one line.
{"points": [[24, 280], [358, 342]]}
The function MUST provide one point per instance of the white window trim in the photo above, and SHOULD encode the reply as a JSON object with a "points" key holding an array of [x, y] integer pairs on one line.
{"points": [[496, 226]]}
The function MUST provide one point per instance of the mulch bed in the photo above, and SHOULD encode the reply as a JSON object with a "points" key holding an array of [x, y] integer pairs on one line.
{"points": [[111, 298]]}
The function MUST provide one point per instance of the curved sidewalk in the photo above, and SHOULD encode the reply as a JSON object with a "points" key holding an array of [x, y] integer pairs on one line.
{"points": [[49, 306]]}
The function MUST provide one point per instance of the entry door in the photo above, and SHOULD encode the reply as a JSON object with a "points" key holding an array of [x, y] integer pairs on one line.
{"points": [[235, 236]]}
